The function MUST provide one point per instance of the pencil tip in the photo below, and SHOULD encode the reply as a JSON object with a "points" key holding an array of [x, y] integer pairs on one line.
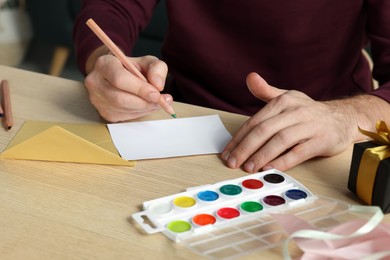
{"points": [[173, 115]]}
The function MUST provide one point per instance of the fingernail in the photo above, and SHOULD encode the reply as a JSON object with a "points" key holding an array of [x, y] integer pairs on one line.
{"points": [[154, 97], [249, 166], [160, 82], [225, 155], [231, 162], [267, 167]]}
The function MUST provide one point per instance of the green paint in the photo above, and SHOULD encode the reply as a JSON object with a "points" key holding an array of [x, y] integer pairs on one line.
{"points": [[251, 206], [173, 115], [179, 226], [230, 189]]}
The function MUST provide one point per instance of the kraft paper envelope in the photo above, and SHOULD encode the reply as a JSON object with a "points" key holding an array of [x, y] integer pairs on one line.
{"points": [[64, 142]]}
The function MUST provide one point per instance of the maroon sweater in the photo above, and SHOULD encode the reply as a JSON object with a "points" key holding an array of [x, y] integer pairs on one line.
{"points": [[211, 45]]}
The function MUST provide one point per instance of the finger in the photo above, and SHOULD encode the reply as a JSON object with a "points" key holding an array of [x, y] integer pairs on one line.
{"points": [[112, 70], [276, 146], [270, 110], [156, 70], [261, 89], [260, 136], [239, 136], [297, 155], [110, 110], [274, 108], [168, 98], [121, 100], [114, 116]]}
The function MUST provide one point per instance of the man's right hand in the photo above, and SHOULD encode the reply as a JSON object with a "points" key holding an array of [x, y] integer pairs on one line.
{"points": [[119, 95]]}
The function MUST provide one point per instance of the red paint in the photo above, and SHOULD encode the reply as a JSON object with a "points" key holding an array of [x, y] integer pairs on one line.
{"points": [[252, 184], [228, 213]]}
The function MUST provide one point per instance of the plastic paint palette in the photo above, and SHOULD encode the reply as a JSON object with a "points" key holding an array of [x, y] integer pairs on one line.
{"points": [[203, 209]]}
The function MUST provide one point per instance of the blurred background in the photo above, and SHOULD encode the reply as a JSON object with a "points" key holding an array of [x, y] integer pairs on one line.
{"points": [[36, 35]]}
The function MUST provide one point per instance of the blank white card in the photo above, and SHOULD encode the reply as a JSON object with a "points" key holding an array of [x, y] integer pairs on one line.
{"points": [[170, 137]]}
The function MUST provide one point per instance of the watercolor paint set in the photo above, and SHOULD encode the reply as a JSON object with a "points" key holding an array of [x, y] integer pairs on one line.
{"points": [[233, 218], [211, 207]]}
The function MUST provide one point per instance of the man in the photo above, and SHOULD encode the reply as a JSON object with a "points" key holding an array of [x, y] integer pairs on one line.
{"points": [[296, 67]]}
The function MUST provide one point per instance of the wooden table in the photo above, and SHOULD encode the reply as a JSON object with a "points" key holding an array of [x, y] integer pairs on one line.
{"points": [[55, 210]]}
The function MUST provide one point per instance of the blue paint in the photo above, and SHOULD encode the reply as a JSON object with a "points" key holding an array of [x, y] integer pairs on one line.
{"points": [[296, 194], [208, 195]]}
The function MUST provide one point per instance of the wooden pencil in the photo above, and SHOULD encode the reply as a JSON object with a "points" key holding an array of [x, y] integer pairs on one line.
{"points": [[6, 104], [1, 111], [125, 62]]}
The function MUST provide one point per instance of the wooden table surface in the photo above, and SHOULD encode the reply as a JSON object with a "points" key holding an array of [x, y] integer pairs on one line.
{"points": [[53, 210]]}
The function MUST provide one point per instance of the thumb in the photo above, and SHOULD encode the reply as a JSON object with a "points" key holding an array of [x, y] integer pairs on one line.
{"points": [[260, 88]]}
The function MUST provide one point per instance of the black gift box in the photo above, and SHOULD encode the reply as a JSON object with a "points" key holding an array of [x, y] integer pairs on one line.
{"points": [[381, 189]]}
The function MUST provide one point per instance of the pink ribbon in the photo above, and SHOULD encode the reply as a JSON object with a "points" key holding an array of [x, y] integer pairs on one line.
{"points": [[355, 239]]}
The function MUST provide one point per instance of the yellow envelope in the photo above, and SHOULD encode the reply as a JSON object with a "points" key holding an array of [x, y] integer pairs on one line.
{"points": [[64, 142]]}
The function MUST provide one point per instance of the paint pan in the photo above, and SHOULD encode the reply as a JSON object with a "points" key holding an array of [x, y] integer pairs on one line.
{"points": [[211, 207], [233, 218]]}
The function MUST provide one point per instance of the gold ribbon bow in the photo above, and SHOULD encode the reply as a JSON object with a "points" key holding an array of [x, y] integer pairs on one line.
{"points": [[370, 161]]}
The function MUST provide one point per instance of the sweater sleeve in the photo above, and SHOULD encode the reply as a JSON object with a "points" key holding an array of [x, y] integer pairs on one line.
{"points": [[121, 20], [379, 34]]}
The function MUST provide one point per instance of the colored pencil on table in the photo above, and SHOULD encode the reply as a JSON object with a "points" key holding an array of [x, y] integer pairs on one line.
{"points": [[125, 62], [1, 111], [6, 104]]}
